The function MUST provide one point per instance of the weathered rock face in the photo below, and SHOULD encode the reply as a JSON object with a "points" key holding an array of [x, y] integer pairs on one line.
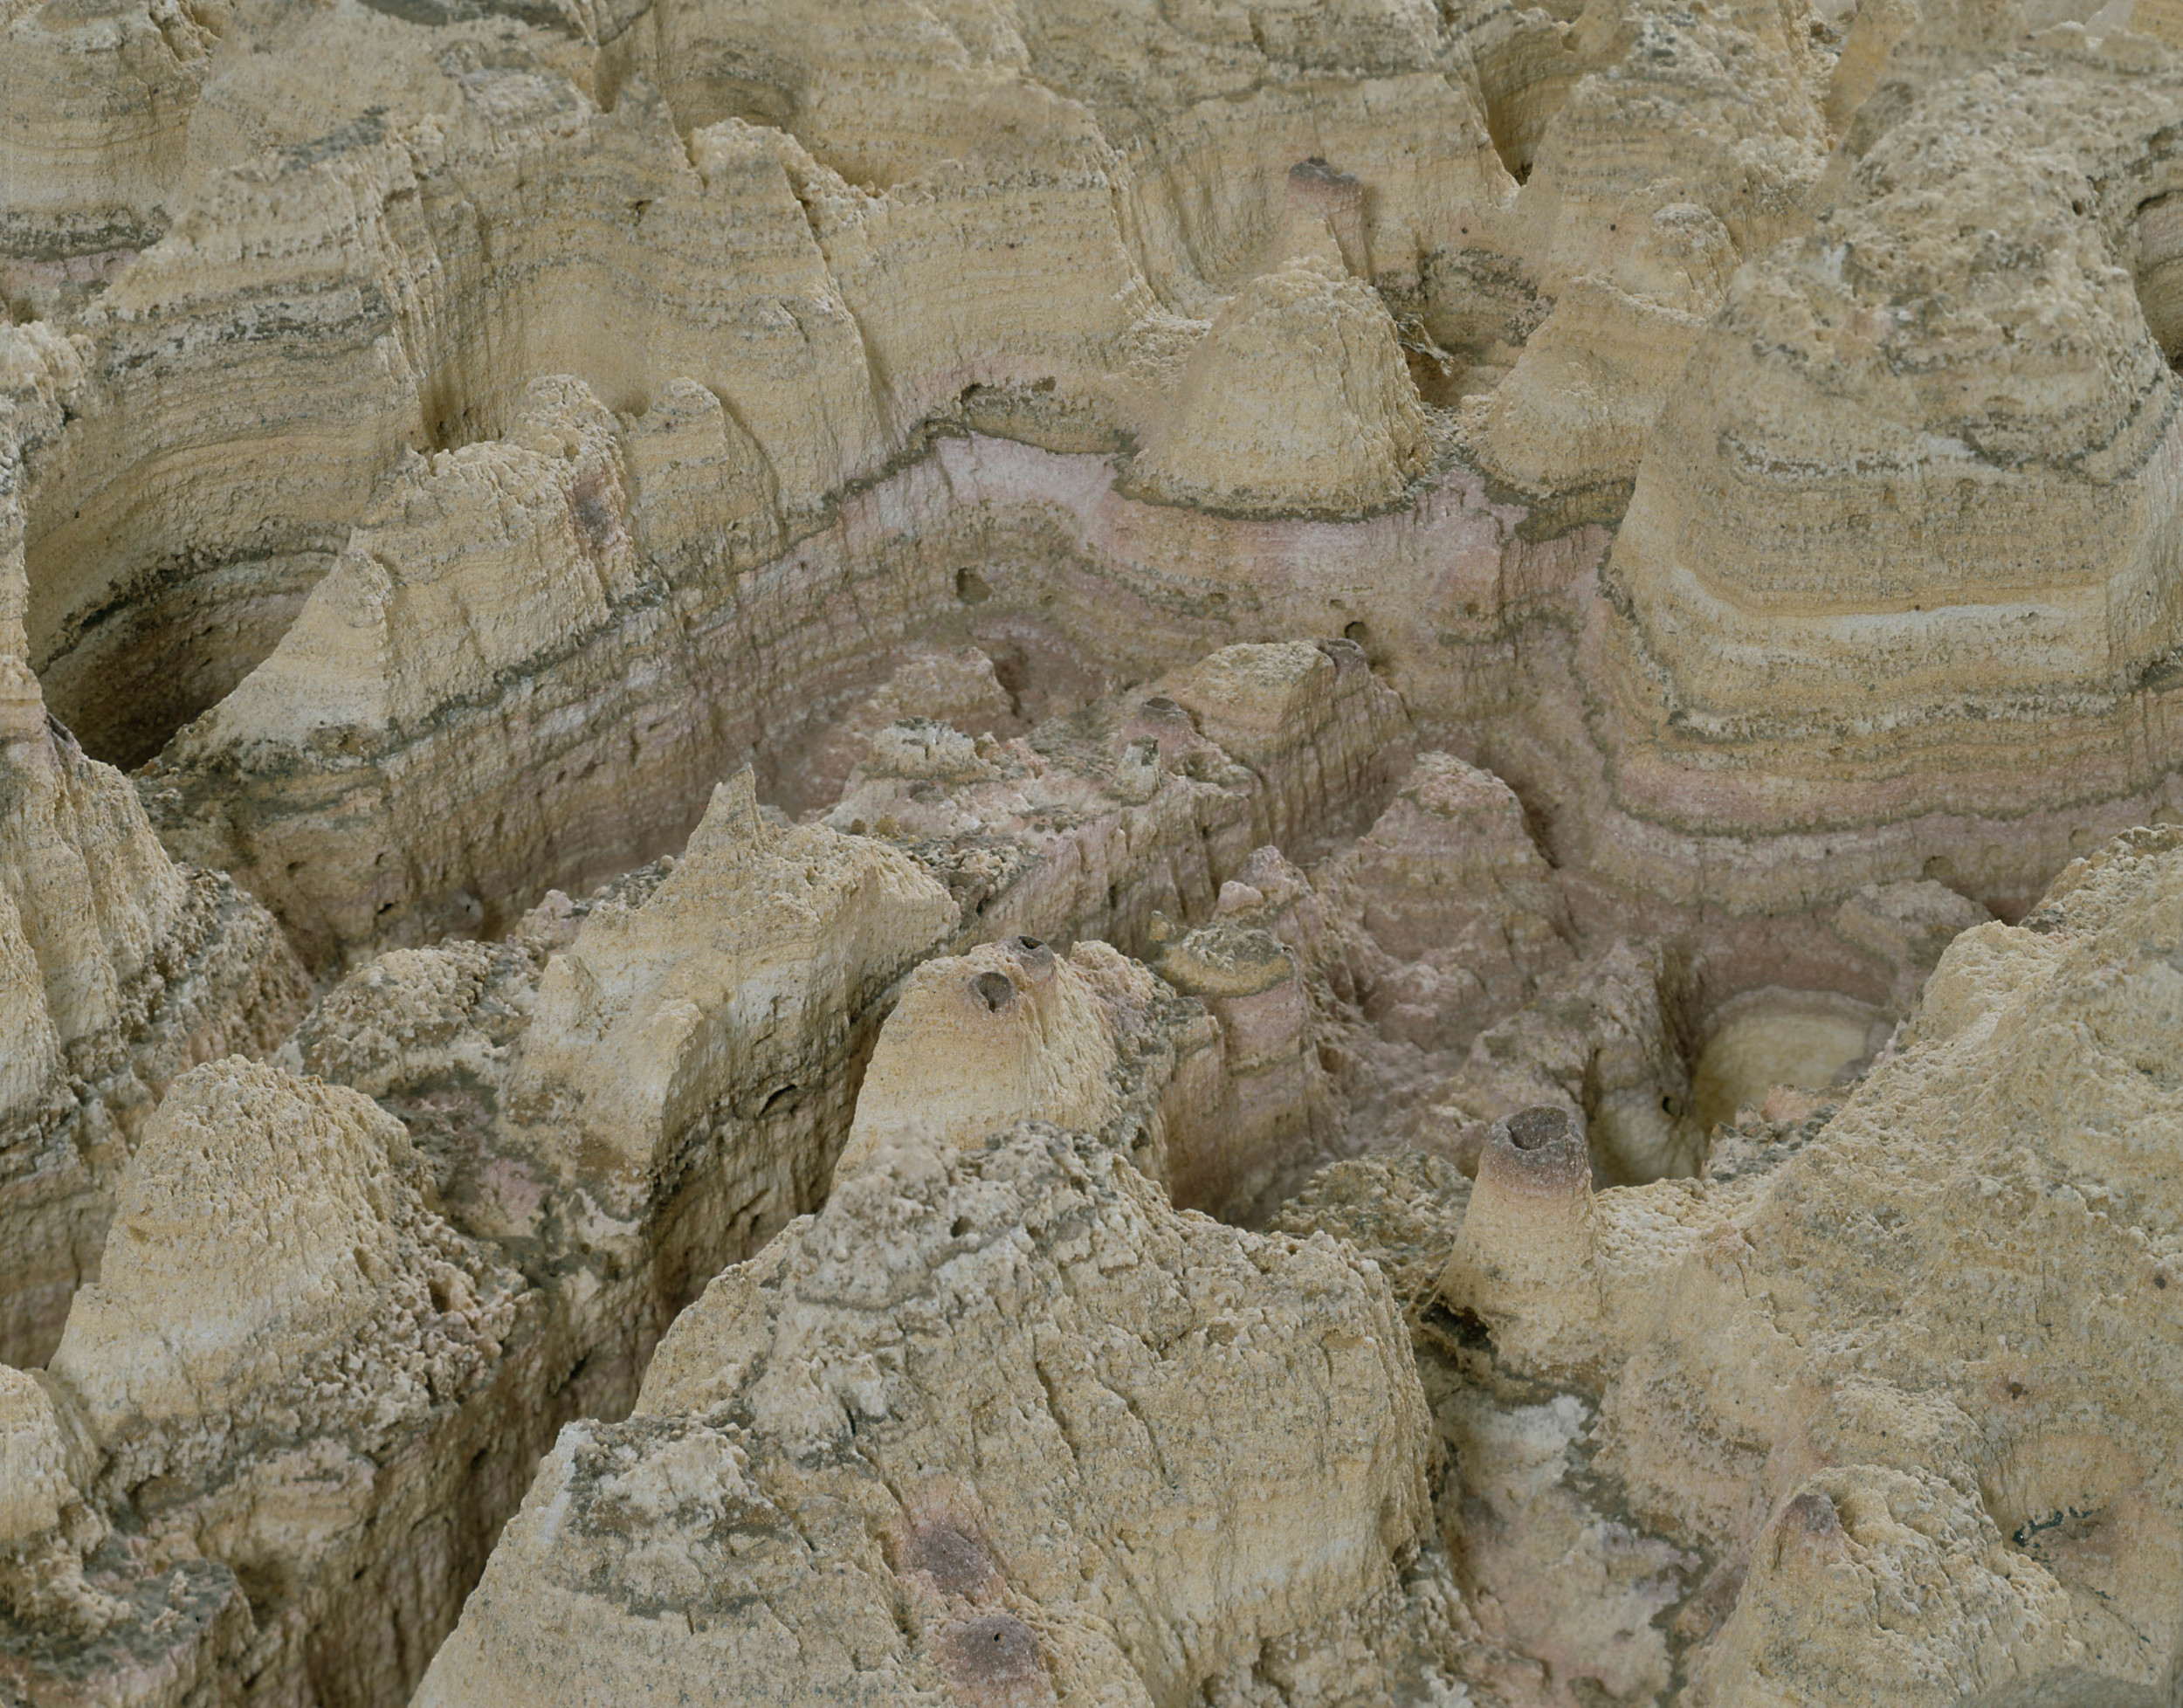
{"points": [[1296, 399], [300, 1293], [929, 1431], [1913, 1483], [280, 1314], [118, 969], [1140, 807], [99, 100], [1904, 527], [646, 1084], [1466, 633]]}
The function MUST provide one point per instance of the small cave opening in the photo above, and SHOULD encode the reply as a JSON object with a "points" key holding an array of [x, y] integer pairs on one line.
{"points": [[1809, 1041], [125, 677]]}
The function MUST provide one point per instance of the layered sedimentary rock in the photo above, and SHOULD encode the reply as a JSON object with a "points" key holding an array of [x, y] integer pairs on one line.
{"points": [[1142, 805], [635, 1092], [931, 1431], [280, 1314], [1296, 399], [1681, 144], [1367, 1018], [1092, 1042], [1905, 528], [1919, 1460], [118, 969], [646, 1083], [98, 100]]}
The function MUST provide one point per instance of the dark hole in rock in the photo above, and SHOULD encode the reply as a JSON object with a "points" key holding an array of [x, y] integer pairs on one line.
{"points": [[1534, 1129]]}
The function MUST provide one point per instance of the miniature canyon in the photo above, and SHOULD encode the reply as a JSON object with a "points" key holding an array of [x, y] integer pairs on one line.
{"points": [[1092, 853]]}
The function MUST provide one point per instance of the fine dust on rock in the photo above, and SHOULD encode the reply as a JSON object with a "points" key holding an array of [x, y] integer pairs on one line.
{"points": [[1282, 854]]}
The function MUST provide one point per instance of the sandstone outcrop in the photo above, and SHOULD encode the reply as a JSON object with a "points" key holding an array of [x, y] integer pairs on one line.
{"points": [[1383, 1007], [1940, 485], [1913, 1457], [300, 1293], [996, 1425], [1012, 1032], [646, 1084], [1296, 400], [119, 970], [280, 1315], [1140, 805]]}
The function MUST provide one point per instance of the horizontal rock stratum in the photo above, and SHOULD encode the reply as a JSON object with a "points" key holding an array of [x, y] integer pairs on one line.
{"points": [[1217, 854]]}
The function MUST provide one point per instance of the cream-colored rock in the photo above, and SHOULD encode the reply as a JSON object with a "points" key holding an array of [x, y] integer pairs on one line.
{"points": [[98, 100], [264, 1230], [1275, 1121], [46, 1528], [501, 561], [1142, 804], [1450, 887], [654, 1077], [466, 232], [1210, 1091], [1575, 410], [1718, 109], [1569, 1590], [1130, 1524], [1297, 401], [1679, 145], [664, 1034], [118, 969], [1323, 735], [281, 1310], [1930, 1488], [1010, 1032], [457, 438], [636, 1090], [1902, 530], [958, 687], [1530, 1233], [1445, 988]]}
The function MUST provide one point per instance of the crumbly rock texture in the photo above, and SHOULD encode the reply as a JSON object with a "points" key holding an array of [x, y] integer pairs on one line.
{"points": [[1217, 854], [1187, 1440]]}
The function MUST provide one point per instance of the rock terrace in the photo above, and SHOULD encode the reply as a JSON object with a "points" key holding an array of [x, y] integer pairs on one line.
{"points": [[1091, 854]]}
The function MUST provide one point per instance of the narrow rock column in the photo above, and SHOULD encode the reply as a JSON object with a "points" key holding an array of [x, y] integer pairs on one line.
{"points": [[1270, 1122], [1525, 1262]]}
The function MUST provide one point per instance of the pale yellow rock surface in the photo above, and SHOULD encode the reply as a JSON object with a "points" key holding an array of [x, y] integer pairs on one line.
{"points": [[1027, 1025], [46, 1528], [1296, 399], [1855, 582], [1138, 807], [280, 1307], [1064, 462], [262, 1225], [745, 972], [118, 969], [97, 99], [955, 1467], [301, 1291], [1925, 1448]]}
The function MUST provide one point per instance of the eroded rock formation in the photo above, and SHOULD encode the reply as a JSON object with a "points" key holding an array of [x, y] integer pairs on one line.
{"points": [[1063, 851], [119, 970]]}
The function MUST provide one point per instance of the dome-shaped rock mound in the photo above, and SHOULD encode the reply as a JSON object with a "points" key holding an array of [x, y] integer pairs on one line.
{"points": [[1296, 402], [1090, 853]]}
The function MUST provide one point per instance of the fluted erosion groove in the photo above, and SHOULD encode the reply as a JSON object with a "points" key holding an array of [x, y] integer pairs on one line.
{"points": [[1277, 854]]}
